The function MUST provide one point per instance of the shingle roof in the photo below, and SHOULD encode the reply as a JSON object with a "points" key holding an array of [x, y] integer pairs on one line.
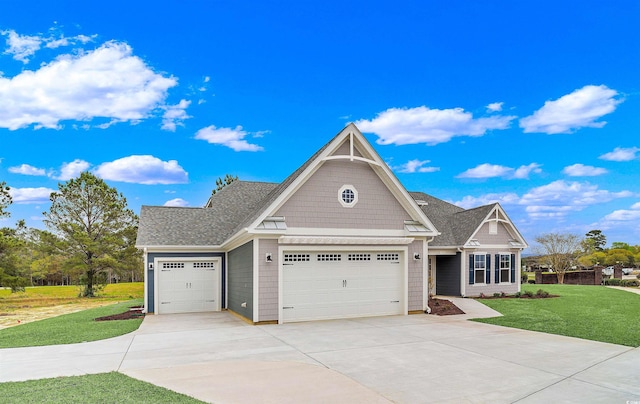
{"points": [[173, 226], [455, 224]]}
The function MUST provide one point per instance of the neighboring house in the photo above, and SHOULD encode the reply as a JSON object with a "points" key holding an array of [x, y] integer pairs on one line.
{"points": [[339, 238]]}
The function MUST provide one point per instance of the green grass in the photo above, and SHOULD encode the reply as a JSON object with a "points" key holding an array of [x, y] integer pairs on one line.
{"points": [[111, 387], [65, 294], [71, 328], [590, 312]]}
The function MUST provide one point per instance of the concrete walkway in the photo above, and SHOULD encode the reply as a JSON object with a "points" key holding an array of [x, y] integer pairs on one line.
{"points": [[216, 357]]}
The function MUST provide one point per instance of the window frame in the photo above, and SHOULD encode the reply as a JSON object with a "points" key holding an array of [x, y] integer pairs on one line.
{"points": [[476, 270], [503, 268], [341, 199]]}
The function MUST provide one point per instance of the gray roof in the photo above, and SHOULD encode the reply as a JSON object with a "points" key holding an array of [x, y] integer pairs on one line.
{"points": [[455, 224], [173, 226]]}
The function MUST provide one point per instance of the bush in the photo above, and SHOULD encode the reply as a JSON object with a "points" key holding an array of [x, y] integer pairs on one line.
{"points": [[630, 283], [524, 278], [638, 276], [496, 294], [517, 295], [542, 293], [613, 282], [532, 281], [528, 293]]}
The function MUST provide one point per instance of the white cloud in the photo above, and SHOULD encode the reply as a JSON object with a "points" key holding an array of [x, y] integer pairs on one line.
{"points": [[494, 170], [22, 47], [560, 197], [495, 107], [108, 82], [468, 202], [72, 170], [174, 115], [416, 166], [523, 172], [402, 126], [580, 170], [555, 200], [621, 154], [232, 138], [146, 170], [30, 195], [27, 169], [573, 111], [177, 202]]}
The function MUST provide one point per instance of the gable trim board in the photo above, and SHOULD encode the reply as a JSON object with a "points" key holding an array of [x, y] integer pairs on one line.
{"points": [[249, 227]]}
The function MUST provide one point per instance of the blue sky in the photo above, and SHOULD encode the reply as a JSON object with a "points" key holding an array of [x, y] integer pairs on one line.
{"points": [[534, 104]]}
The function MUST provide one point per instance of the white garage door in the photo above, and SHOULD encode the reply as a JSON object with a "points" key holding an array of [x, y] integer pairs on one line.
{"points": [[327, 285], [188, 286]]}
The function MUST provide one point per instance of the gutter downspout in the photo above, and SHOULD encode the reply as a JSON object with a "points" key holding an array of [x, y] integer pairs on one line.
{"points": [[425, 253], [144, 272]]}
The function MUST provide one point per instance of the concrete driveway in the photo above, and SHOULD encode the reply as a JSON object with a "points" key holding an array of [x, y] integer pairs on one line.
{"points": [[216, 357]]}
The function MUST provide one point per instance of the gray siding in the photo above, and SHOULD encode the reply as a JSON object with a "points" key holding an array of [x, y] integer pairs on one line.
{"points": [[268, 280], [316, 203], [416, 276], [501, 238], [492, 287], [240, 280], [151, 281], [448, 275]]}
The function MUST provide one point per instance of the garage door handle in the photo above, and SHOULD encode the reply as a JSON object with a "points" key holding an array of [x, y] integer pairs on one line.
{"points": [[395, 301], [287, 307]]}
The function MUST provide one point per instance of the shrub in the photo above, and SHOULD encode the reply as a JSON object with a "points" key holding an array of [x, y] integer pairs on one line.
{"points": [[630, 283], [528, 293], [613, 282], [524, 278], [518, 294], [542, 293], [482, 296], [497, 294], [532, 281], [638, 276]]}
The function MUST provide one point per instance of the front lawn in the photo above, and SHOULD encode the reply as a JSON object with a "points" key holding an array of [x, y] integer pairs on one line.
{"points": [[111, 387], [590, 312], [71, 328]]}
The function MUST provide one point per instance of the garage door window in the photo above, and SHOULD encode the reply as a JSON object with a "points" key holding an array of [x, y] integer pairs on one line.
{"points": [[172, 265], [359, 257], [388, 257], [204, 265], [296, 257], [329, 257]]}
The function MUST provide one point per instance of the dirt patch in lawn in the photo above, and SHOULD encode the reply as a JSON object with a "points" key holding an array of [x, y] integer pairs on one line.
{"points": [[443, 307], [132, 313], [23, 315]]}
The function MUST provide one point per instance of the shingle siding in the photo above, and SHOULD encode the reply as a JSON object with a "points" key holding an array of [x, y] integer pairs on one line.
{"points": [[240, 280], [268, 280], [501, 238], [416, 276], [492, 287], [316, 203]]}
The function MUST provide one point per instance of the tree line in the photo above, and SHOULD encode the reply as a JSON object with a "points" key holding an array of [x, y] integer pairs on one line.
{"points": [[561, 252], [89, 241]]}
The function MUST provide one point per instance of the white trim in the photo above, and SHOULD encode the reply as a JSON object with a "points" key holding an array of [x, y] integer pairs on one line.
{"points": [[319, 231], [156, 277], [146, 283], [182, 248], [425, 275], [348, 187], [344, 240], [256, 279], [282, 248]]}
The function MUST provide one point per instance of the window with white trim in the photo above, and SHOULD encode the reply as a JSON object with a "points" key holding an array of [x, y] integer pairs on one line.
{"points": [[493, 227], [348, 196], [505, 267], [479, 267]]}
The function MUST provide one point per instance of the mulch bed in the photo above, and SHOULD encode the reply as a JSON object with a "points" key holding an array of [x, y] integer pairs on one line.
{"points": [[443, 307], [133, 313]]}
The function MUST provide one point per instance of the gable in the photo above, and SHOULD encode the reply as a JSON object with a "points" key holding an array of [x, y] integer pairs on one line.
{"points": [[316, 203], [347, 156]]}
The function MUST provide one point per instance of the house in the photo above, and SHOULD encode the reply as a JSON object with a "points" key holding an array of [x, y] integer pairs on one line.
{"points": [[339, 238]]}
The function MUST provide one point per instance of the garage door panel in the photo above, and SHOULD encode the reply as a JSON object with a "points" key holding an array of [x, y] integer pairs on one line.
{"points": [[351, 284], [187, 286]]}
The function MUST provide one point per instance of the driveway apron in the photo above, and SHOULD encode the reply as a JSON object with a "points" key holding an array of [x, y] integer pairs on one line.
{"points": [[216, 357]]}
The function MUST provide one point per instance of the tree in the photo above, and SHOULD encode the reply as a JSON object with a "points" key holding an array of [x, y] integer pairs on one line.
{"points": [[12, 262], [90, 218], [220, 183], [559, 251], [5, 199], [594, 241]]}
